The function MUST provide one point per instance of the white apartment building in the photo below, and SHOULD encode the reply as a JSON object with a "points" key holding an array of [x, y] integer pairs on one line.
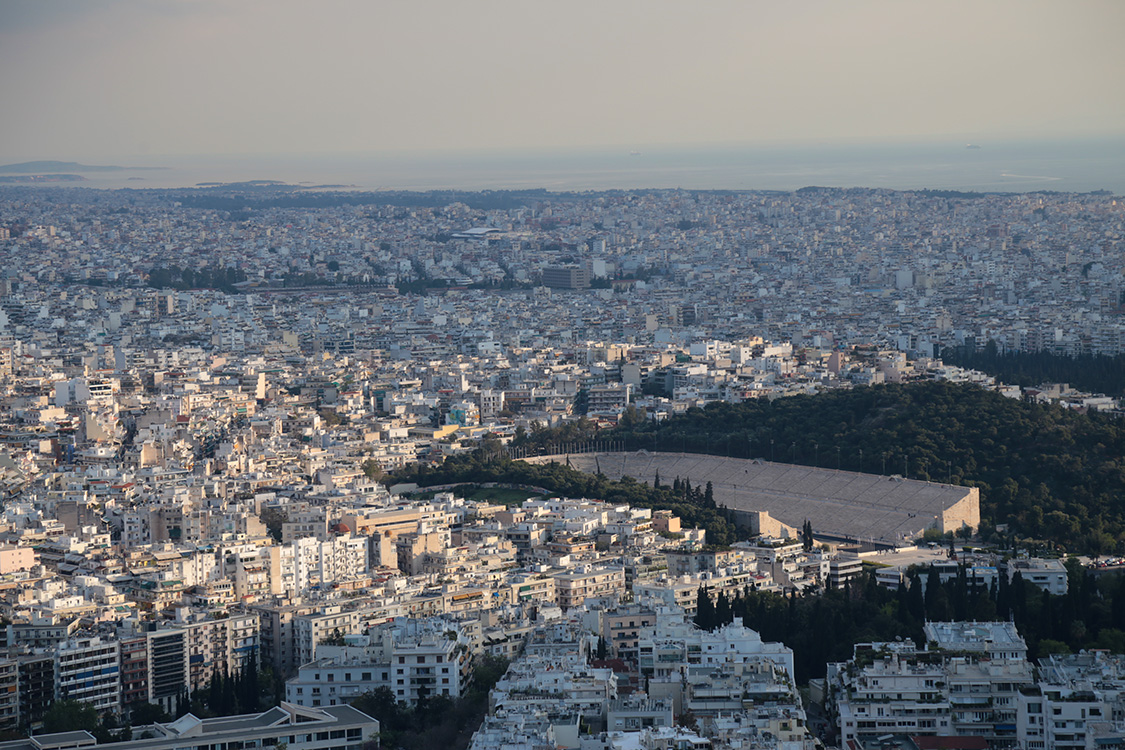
{"points": [[310, 630], [411, 658], [1049, 575], [673, 642], [88, 670], [1078, 704], [965, 682]]}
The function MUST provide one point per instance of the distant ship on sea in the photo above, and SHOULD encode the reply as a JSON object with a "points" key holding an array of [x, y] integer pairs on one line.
{"points": [[971, 145]]}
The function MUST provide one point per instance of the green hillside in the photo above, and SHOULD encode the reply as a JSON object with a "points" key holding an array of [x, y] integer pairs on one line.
{"points": [[1050, 473]]}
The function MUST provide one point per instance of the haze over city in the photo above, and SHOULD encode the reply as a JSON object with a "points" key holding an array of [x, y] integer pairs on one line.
{"points": [[128, 79]]}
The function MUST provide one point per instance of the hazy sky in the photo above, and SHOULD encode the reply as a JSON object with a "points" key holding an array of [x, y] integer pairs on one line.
{"points": [[92, 80]]}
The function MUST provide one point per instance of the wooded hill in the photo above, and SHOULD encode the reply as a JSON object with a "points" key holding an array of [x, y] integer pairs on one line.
{"points": [[1050, 473]]}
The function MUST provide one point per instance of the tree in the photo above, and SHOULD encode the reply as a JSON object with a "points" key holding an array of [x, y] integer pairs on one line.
{"points": [[250, 691], [273, 518], [372, 469], [183, 702], [69, 715], [142, 713], [704, 610], [807, 536], [723, 613], [335, 639]]}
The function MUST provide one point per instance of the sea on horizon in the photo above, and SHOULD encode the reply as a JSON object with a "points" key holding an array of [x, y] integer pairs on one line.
{"points": [[1064, 166]]}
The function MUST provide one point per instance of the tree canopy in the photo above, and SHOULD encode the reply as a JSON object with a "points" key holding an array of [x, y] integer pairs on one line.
{"points": [[1049, 472]]}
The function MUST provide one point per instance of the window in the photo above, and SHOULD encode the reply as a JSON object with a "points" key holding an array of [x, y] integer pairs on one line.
{"points": [[366, 676]]}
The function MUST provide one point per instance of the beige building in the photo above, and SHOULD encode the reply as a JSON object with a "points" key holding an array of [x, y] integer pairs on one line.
{"points": [[13, 559], [575, 588]]}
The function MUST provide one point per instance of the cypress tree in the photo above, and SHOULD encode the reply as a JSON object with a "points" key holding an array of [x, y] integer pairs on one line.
{"points": [[704, 610], [723, 613], [253, 689], [230, 699], [215, 693]]}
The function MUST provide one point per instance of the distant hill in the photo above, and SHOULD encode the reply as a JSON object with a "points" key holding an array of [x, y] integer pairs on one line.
{"points": [[52, 167]]}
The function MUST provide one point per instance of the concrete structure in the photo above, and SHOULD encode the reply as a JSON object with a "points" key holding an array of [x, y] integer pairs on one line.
{"points": [[1078, 704], [840, 504], [1049, 575], [566, 277], [965, 682], [335, 728]]}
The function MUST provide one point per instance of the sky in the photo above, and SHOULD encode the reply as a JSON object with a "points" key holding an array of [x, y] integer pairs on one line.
{"points": [[88, 81]]}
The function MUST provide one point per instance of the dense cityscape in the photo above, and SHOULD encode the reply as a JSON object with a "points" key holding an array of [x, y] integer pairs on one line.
{"points": [[212, 400]]}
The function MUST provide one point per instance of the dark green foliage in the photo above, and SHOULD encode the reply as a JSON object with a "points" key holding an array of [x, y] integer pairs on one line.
{"points": [[70, 715], [273, 518], [222, 278], [437, 720], [705, 611], [147, 713], [1091, 372], [228, 695], [824, 627], [483, 465], [1051, 473]]}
